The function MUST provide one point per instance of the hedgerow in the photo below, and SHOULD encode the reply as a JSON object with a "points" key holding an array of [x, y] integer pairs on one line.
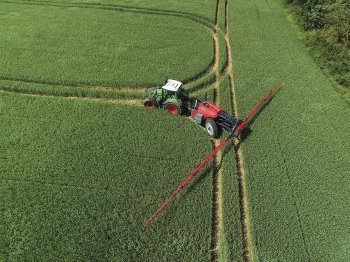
{"points": [[324, 27]]}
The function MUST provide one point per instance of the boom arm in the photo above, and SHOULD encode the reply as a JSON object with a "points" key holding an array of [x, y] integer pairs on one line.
{"points": [[252, 112], [239, 128], [188, 179]]}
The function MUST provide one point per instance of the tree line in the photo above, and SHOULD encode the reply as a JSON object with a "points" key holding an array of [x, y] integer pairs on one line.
{"points": [[327, 24]]}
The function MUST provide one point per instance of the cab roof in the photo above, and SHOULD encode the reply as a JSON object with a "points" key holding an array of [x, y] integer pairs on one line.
{"points": [[172, 85]]}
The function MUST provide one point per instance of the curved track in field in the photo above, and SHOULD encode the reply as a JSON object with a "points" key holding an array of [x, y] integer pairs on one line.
{"points": [[197, 82]]}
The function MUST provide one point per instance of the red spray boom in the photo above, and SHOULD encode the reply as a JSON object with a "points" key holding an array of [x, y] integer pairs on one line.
{"points": [[195, 171]]}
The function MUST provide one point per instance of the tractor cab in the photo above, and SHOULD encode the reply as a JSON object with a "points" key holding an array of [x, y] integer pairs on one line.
{"points": [[173, 88], [170, 96]]}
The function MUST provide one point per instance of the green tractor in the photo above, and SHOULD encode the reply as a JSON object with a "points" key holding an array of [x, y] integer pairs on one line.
{"points": [[171, 96]]}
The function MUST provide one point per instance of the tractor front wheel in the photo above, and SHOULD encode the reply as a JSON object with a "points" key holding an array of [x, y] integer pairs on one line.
{"points": [[211, 127], [150, 103], [173, 108]]}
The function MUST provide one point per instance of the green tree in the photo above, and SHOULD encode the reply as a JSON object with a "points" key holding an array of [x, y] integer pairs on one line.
{"points": [[337, 24]]}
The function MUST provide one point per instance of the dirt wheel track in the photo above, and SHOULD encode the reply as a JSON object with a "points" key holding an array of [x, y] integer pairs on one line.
{"points": [[217, 174], [244, 205], [213, 67]]}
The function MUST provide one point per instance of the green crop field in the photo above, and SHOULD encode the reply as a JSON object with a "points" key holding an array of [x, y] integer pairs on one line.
{"points": [[296, 158], [83, 164], [84, 46], [79, 178], [200, 9]]}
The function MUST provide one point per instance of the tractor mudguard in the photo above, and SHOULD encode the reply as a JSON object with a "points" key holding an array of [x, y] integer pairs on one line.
{"points": [[174, 101], [174, 106]]}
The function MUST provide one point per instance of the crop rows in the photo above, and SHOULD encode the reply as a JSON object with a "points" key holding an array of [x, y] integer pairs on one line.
{"points": [[297, 155], [230, 242], [87, 170], [93, 66], [228, 209], [61, 87], [195, 9], [117, 7], [96, 177]]}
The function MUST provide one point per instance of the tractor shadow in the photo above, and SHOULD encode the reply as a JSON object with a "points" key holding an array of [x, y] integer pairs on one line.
{"points": [[186, 113], [211, 168], [245, 133], [200, 178], [263, 106]]}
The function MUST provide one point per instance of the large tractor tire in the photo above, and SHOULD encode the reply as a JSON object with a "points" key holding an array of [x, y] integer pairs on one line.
{"points": [[212, 128], [173, 108], [150, 103]]}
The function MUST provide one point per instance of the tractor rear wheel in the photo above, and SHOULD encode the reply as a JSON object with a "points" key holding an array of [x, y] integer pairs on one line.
{"points": [[150, 103], [173, 108], [211, 127]]}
